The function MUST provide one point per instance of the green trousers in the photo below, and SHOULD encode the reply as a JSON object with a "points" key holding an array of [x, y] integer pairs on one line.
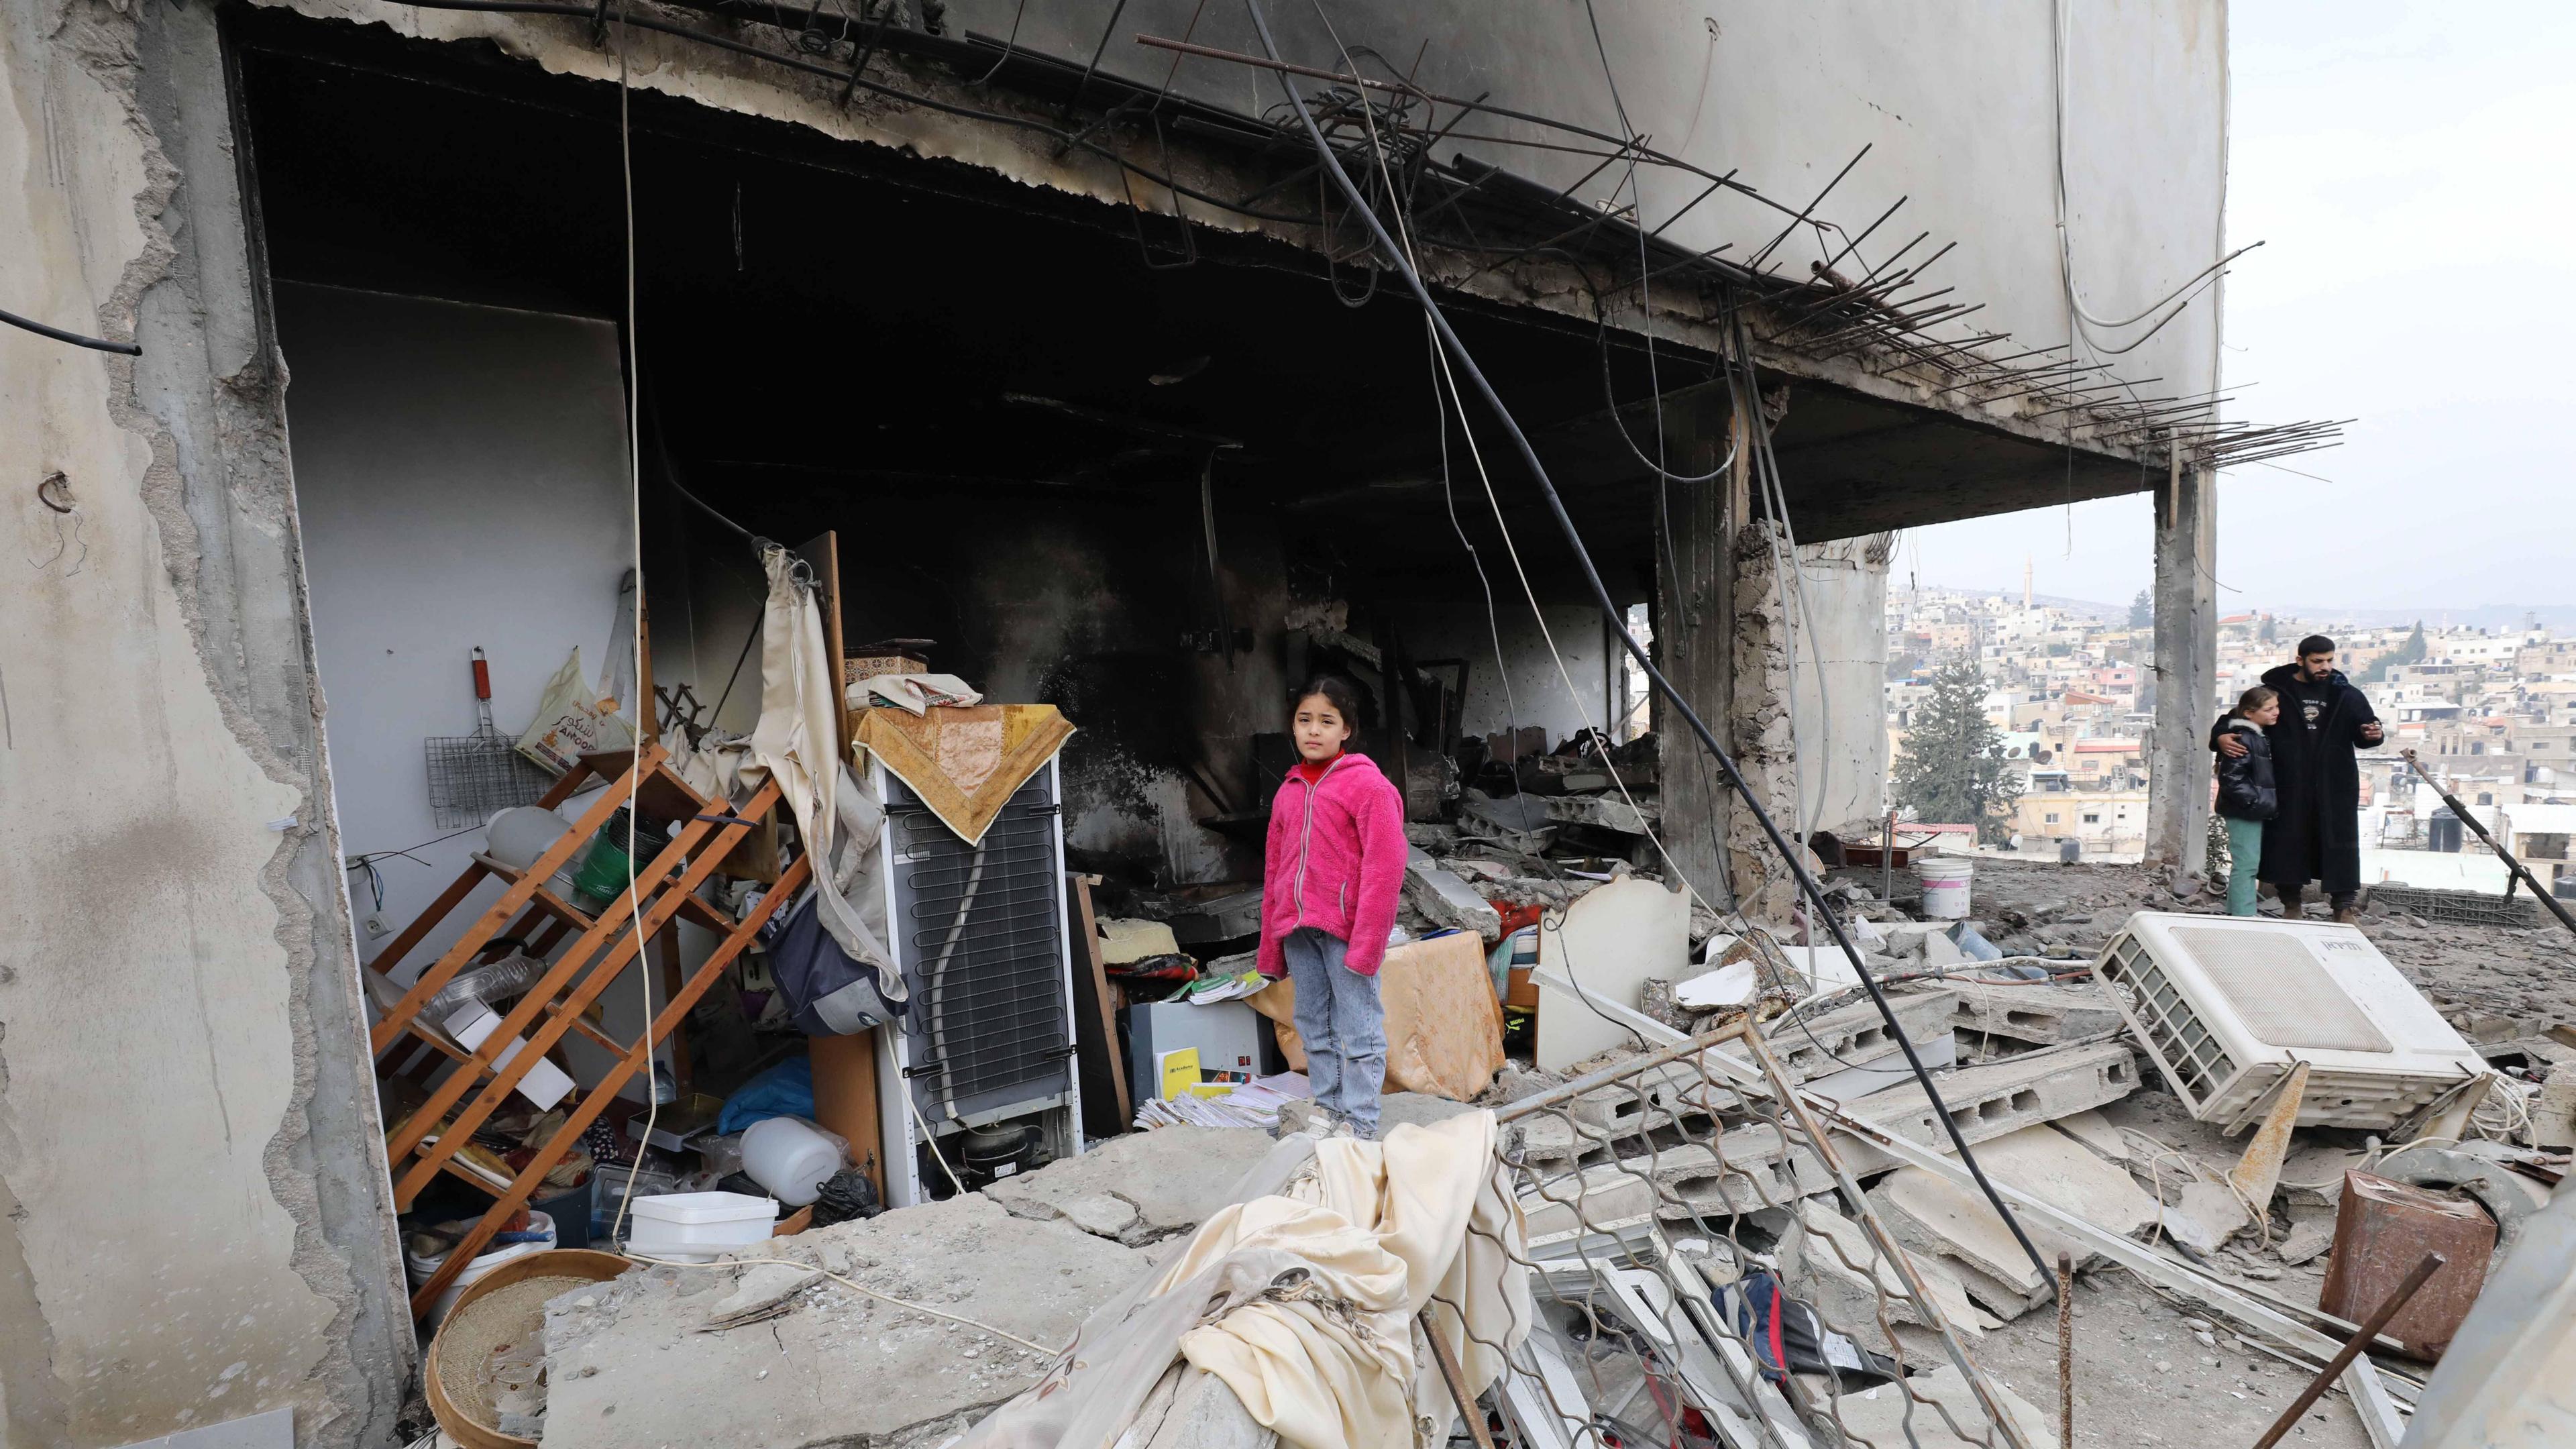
{"points": [[2244, 857]]}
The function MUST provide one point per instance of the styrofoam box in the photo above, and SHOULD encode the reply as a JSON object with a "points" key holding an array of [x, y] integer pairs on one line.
{"points": [[699, 1226], [2227, 1004]]}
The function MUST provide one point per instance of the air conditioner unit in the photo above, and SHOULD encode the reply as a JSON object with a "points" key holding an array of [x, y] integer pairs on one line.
{"points": [[2225, 1005]]}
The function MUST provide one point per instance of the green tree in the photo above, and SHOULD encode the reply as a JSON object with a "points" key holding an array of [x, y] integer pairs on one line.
{"points": [[2407, 653], [1952, 766], [2142, 611], [2269, 630]]}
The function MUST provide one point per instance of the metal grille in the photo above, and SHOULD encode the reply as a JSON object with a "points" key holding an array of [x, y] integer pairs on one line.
{"points": [[472, 776], [2192, 1060], [2280, 990], [980, 933], [1637, 1344], [2464, 908]]}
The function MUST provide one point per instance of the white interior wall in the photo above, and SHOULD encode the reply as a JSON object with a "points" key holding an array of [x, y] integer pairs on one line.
{"points": [[1841, 670], [461, 480]]}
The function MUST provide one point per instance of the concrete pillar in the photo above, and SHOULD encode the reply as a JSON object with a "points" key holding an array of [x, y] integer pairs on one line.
{"points": [[1694, 591], [2186, 668], [1765, 748]]}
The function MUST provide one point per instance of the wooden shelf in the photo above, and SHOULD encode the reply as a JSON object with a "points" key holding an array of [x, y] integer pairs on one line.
{"points": [[541, 898]]}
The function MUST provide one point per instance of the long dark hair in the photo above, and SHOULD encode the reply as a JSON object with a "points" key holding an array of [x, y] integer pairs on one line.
{"points": [[1338, 692]]}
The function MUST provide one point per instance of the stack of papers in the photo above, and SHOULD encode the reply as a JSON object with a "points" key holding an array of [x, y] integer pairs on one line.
{"points": [[1246, 1104]]}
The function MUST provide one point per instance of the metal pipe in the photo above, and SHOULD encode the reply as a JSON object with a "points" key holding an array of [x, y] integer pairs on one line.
{"points": [[2424, 1270], [2502, 854]]}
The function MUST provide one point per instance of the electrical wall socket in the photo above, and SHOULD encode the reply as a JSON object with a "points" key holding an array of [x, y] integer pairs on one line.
{"points": [[375, 924]]}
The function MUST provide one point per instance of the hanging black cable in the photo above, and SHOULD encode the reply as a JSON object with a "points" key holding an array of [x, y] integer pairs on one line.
{"points": [[75, 339], [1610, 612]]}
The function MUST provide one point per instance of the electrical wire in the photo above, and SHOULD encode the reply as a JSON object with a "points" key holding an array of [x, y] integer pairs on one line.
{"points": [[643, 716], [96, 344], [1452, 345]]}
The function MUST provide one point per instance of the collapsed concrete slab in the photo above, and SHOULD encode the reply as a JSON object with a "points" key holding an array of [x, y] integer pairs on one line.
{"points": [[1139, 1188], [635, 1361], [1446, 900], [1940, 1219]]}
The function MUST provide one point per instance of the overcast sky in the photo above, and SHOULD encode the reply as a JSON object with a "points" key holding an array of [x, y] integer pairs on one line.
{"points": [[2410, 167]]}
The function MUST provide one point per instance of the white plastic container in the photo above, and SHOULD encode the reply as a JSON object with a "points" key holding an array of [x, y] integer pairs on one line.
{"points": [[790, 1157], [1945, 886], [517, 836], [698, 1227], [422, 1269]]}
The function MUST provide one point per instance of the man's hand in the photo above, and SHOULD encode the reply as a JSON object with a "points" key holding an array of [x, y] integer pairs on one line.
{"points": [[2371, 733], [2230, 746]]}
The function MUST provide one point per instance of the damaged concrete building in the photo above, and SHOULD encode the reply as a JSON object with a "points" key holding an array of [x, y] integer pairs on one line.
{"points": [[375, 336]]}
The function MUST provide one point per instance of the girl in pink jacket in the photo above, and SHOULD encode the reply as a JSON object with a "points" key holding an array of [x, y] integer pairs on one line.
{"points": [[1334, 867]]}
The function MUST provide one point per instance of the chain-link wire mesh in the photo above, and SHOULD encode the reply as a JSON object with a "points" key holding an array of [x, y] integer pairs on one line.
{"points": [[1643, 1338]]}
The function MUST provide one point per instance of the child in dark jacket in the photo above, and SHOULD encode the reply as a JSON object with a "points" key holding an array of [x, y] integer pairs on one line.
{"points": [[1334, 867], [2247, 796]]}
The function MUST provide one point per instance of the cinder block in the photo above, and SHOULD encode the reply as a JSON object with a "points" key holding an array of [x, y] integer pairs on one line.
{"points": [[1857, 1033], [1999, 1097], [1760, 1170], [2040, 1014]]}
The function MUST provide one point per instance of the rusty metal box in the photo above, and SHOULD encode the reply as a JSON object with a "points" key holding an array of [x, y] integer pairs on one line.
{"points": [[2382, 1230]]}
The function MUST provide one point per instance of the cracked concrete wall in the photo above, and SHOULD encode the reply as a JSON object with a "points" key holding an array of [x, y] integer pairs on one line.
{"points": [[1758, 714], [195, 1221]]}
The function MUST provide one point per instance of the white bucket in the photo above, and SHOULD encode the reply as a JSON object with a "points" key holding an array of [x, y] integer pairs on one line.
{"points": [[1945, 886]]}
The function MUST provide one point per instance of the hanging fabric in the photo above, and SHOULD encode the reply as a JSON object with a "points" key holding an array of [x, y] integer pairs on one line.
{"points": [[965, 762], [797, 742]]}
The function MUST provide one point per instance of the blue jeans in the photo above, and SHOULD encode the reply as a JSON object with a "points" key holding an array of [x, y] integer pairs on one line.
{"points": [[1343, 1026], [2244, 857]]}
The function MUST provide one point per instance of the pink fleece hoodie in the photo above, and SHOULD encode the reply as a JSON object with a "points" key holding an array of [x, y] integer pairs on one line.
{"points": [[1335, 861]]}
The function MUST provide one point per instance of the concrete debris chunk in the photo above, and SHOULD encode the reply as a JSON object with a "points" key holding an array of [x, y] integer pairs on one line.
{"points": [[1170, 1179], [1998, 1097], [761, 1288], [2041, 1014], [2553, 1111], [1878, 1416], [1944, 1220], [2306, 1241], [1603, 812], [1445, 900], [1393, 1110], [1829, 1261], [1857, 1034]]}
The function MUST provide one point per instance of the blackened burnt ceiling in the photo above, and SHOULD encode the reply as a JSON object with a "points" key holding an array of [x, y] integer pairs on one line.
{"points": [[857, 317]]}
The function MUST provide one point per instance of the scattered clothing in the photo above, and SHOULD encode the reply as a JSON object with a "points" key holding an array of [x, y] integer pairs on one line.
{"points": [[1304, 1296], [1343, 1026], [915, 692]]}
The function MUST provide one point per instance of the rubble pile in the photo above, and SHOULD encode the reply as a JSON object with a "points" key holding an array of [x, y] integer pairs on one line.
{"points": [[2215, 1247]]}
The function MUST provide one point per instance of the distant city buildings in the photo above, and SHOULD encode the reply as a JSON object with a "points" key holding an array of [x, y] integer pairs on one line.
{"points": [[2071, 692]]}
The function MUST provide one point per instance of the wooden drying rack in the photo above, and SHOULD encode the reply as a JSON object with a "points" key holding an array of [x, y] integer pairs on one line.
{"points": [[425, 1143]]}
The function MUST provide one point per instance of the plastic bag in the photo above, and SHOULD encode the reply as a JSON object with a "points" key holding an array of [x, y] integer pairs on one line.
{"points": [[573, 721]]}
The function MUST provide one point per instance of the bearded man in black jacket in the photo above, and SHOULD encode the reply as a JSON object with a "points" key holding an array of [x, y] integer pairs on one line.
{"points": [[2317, 833]]}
